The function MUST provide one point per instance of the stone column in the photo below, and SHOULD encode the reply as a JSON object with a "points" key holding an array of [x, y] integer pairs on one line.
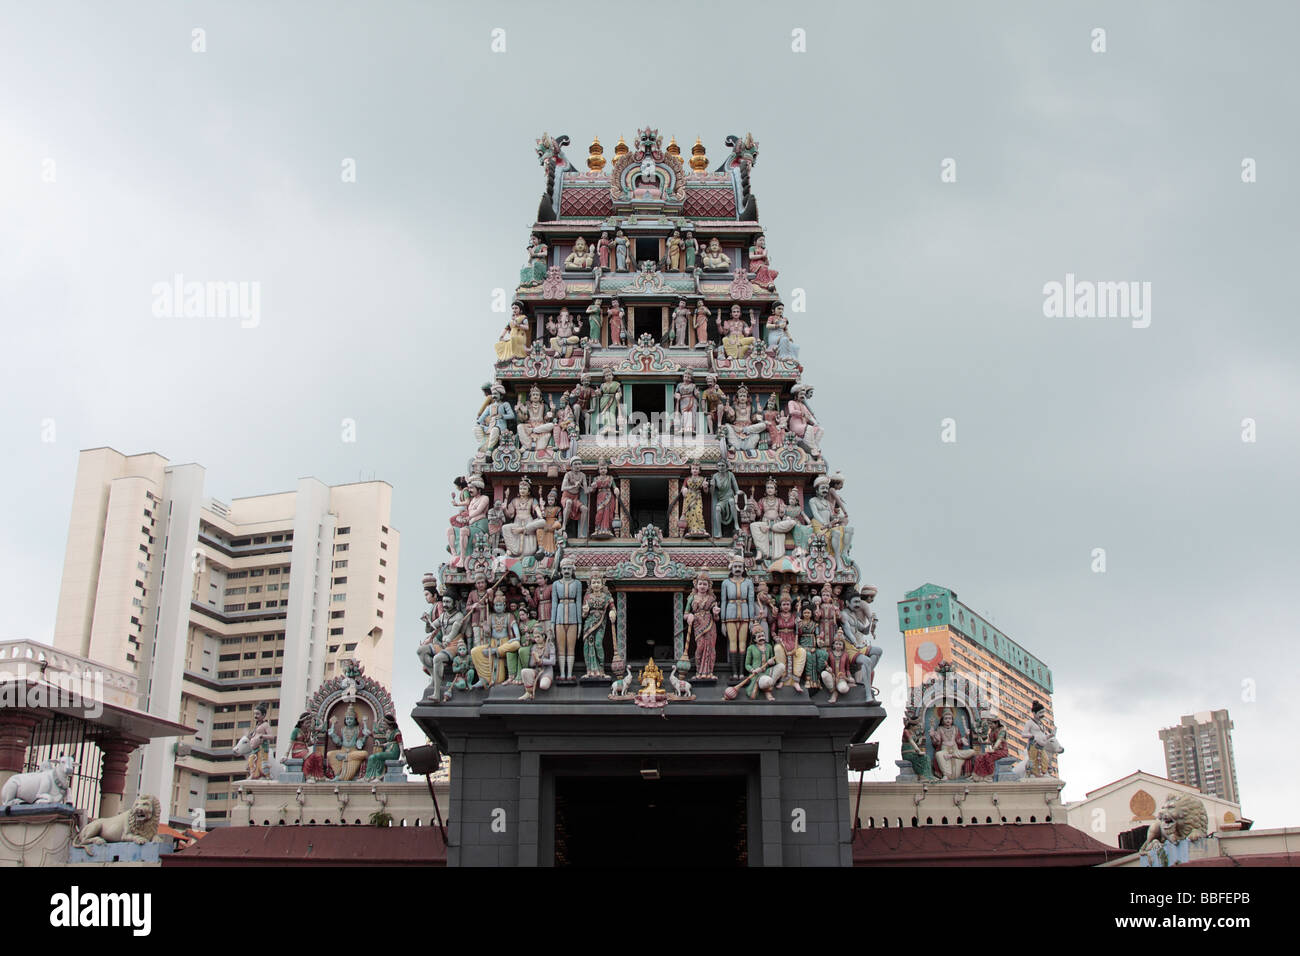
{"points": [[16, 728], [625, 500], [112, 775], [674, 507]]}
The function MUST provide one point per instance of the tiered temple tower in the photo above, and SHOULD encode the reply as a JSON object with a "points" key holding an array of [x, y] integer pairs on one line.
{"points": [[648, 504]]}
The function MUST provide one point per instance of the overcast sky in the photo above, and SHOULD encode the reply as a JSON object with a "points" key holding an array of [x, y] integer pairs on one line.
{"points": [[925, 298]]}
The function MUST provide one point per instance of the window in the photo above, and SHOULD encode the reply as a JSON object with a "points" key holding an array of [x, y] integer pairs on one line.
{"points": [[233, 608], [381, 595], [261, 540], [349, 647], [255, 605], [336, 614], [250, 672], [338, 598], [336, 632], [346, 530], [383, 528], [273, 571], [228, 657], [334, 648], [340, 564], [383, 563], [342, 580], [382, 579], [256, 572], [268, 653], [337, 548], [383, 545]]}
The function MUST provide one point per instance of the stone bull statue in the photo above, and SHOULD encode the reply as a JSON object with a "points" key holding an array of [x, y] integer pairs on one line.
{"points": [[47, 784]]}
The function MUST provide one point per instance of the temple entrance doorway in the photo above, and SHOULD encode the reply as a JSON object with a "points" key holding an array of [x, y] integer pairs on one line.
{"points": [[639, 820], [650, 627], [648, 503]]}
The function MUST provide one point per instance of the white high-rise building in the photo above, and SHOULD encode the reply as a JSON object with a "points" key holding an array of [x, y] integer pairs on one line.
{"points": [[218, 607]]}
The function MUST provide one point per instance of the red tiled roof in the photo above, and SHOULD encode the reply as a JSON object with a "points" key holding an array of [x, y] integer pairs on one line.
{"points": [[315, 846], [1009, 844]]}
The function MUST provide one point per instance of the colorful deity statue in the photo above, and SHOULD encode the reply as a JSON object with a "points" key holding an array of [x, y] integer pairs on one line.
{"points": [[761, 668], [391, 735], [597, 611], [714, 257], [775, 522], [527, 519], [816, 651], [602, 251], [686, 399], [564, 331], [701, 322], [580, 397], [913, 748], [259, 742], [724, 493], [534, 270], [738, 609], [777, 335], [858, 623], [984, 765], [493, 655], [622, 254], [615, 320], [443, 636], [540, 670], [513, 343], [681, 324], [581, 258], [837, 676], [702, 620], [802, 421], [606, 502], [350, 748], [690, 250], [736, 344], [595, 323], [829, 521], [952, 750], [676, 251], [716, 406], [566, 616], [464, 676], [609, 397], [764, 275], [775, 421], [693, 489], [573, 487], [1041, 743], [786, 648], [493, 421], [535, 424]]}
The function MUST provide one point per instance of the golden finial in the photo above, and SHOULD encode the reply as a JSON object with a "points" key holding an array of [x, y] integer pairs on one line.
{"points": [[596, 156], [699, 162], [673, 148], [621, 148]]}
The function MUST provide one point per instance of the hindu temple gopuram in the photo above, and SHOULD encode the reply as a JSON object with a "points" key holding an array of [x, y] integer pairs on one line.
{"points": [[651, 623]]}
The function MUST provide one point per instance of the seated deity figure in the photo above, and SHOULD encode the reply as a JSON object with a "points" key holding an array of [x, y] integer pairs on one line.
{"points": [[536, 424], [714, 257], [539, 673], [777, 335], [773, 524], [802, 421], [952, 748], [350, 752], [858, 622], [744, 431], [736, 344], [564, 333], [581, 257], [495, 654], [495, 418], [438, 649], [513, 343], [759, 264], [527, 519], [830, 521]]}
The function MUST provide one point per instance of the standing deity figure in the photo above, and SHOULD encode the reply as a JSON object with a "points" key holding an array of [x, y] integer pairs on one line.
{"points": [[736, 344], [564, 434], [534, 270], [349, 755], [777, 337], [802, 421], [602, 250], [595, 323], [830, 522], [622, 256], [714, 257], [439, 647], [572, 488], [538, 594], [681, 324], [477, 607], [984, 766], [496, 416], [496, 652], [1040, 742], [775, 421], [609, 396], [815, 649], [581, 257], [858, 622], [790, 654], [761, 666], [952, 748], [580, 397], [566, 616], [535, 424], [693, 503], [837, 676], [702, 619], [614, 322], [606, 502], [828, 614], [773, 525], [676, 251], [701, 321], [513, 343], [686, 398], [738, 609], [564, 333], [716, 406], [546, 543], [259, 742], [540, 670], [913, 750], [527, 519], [690, 250], [764, 275], [597, 609], [725, 491]]}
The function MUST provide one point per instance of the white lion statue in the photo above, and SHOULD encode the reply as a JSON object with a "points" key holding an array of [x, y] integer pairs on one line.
{"points": [[139, 824], [47, 784]]}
